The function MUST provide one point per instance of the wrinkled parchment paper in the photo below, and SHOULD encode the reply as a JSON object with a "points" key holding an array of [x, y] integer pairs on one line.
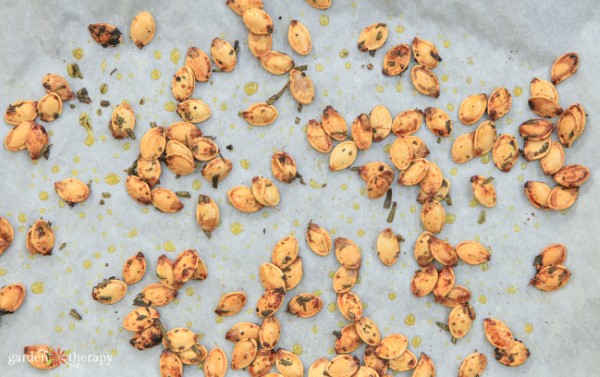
{"points": [[483, 45]]}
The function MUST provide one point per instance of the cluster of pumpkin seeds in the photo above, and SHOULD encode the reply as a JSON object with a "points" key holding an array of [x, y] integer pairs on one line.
{"points": [[263, 193], [508, 350], [551, 274]]}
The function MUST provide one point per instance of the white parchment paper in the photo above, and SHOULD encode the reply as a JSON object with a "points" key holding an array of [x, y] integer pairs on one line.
{"points": [[483, 45]]}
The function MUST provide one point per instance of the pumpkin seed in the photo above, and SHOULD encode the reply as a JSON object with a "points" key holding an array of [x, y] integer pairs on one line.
{"points": [[342, 366], [217, 170], [368, 331], [423, 281], [460, 320], [319, 4], [347, 340], [568, 128], [143, 29], [438, 121], [21, 111], [242, 199], [149, 171], [543, 88], [155, 294], [473, 365], [260, 44], [472, 108], [269, 333], [535, 150], [72, 190], [405, 362], [185, 264], [270, 276], [11, 298], [41, 356], [388, 247], [123, 119], [554, 254], [203, 149], [59, 85], [317, 137], [260, 114], [301, 87], [199, 62], [414, 173], [362, 132], [562, 198], [572, 175], [16, 138], [109, 291], [553, 161], [392, 346], [505, 152], [180, 339], [166, 200], [194, 355], [201, 271], [564, 67], [275, 62], [463, 148], [240, 6], [263, 362], [183, 132], [425, 81], [407, 122], [551, 278], [484, 138], [153, 143], [514, 356], [372, 37], [288, 363], [176, 147], [134, 269], [425, 53], [536, 129], [7, 234], [269, 302], [265, 191], [193, 110], [401, 153], [498, 333], [544, 107], [422, 251], [106, 35], [140, 319], [343, 155], [293, 274], [433, 216], [243, 353], [334, 124], [223, 54], [318, 239], [499, 103], [443, 252], [472, 252], [166, 274], [483, 190], [138, 190], [396, 60], [372, 361], [299, 38], [538, 194], [41, 237], [425, 367], [347, 253], [458, 295], [147, 338], [432, 182], [242, 330], [215, 364], [257, 21], [445, 282], [183, 83], [344, 279], [350, 306], [371, 169], [285, 252], [37, 142], [380, 121], [305, 305]]}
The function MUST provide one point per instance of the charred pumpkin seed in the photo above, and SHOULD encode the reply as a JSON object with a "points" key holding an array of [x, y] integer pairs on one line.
{"points": [[147, 338], [106, 35]]}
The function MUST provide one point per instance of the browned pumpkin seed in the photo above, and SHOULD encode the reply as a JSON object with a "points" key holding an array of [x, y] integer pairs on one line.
{"points": [[433, 216], [405, 362], [260, 114], [445, 282], [239, 6], [106, 35], [40, 238], [149, 171], [424, 280], [59, 85], [438, 121], [372, 37], [543, 88], [21, 111], [183, 83], [564, 67], [485, 137], [380, 121], [483, 190], [368, 331], [242, 330], [138, 190], [514, 356], [344, 279], [372, 361], [499, 103], [472, 108], [147, 338], [425, 81], [396, 60], [347, 340], [109, 291], [257, 21], [422, 252], [215, 364], [193, 110], [305, 305], [165, 273], [156, 294], [201, 271], [166, 200], [243, 353], [242, 199], [551, 278], [505, 152], [134, 268], [458, 295], [432, 182], [572, 175], [498, 333], [217, 170], [334, 124], [443, 252], [350, 305], [425, 367], [392, 346], [176, 147], [72, 190], [223, 54], [283, 167], [199, 63], [551, 255], [347, 253], [318, 239], [288, 363], [301, 87], [180, 164], [203, 149], [180, 339], [269, 302], [425, 53], [472, 252], [11, 297], [536, 129], [463, 148], [460, 320], [271, 276], [473, 365], [140, 319], [319, 4], [269, 333], [263, 362], [41, 356], [37, 142], [538, 194], [562, 198], [185, 264], [553, 160], [318, 137], [544, 107], [194, 355], [414, 173], [407, 122]]}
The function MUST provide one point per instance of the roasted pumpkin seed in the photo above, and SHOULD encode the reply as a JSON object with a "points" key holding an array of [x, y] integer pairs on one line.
{"points": [[166, 200], [147, 338], [299, 38], [396, 60], [433, 216], [156, 294], [193, 110], [553, 161], [392, 346], [343, 155], [260, 44], [194, 355], [572, 175], [499, 103], [424, 280], [425, 81], [463, 148], [270, 276], [260, 114], [401, 153], [183, 83], [134, 269], [443, 252], [149, 171], [106, 35], [243, 353], [564, 67], [166, 274], [270, 302], [425, 53], [11, 297], [140, 319], [142, 29], [473, 365], [544, 107], [203, 149], [372, 37], [59, 85], [41, 356], [275, 62], [551, 255], [72, 190], [422, 252], [319, 4], [305, 305], [458, 295], [362, 132], [288, 363], [514, 356], [16, 138], [432, 182], [405, 362], [536, 129], [425, 367], [37, 142], [561, 198], [175, 147], [153, 143], [41, 238], [317, 137], [183, 132], [388, 247], [21, 111], [185, 264], [483, 190], [263, 362], [347, 340], [257, 21], [301, 87], [215, 364], [242, 330], [199, 62], [318, 239], [170, 364], [538, 194], [344, 279], [472, 252], [460, 320], [372, 361], [109, 291], [239, 6], [217, 170], [472, 108], [380, 121], [498, 333], [285, 252], [438, 121], [334, 124], [445, 281], [368, 331], [201, 271], [505, 152], [350, 305], [407, 122], [138, 190], [122, 122], [543, 88], [342, 366], [269, 333], [551, 278], [242, 199], [347, 253], [414, 173], [223, 54]]}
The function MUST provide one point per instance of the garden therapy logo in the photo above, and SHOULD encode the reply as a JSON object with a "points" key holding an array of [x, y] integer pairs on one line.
{"points": [[46, 357]]}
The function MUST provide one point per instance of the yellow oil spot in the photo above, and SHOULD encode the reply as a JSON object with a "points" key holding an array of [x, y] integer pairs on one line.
{"points": [[250, 88], [44, 195], [155, 74], [485, 159], [353, 5], [392, 296], [245, 164], [58, 328], [516, 228], [55, 169], [412, 208], [76, 159], [81, 215], [511, 290], [3, 272], [319, 67], [528, 328], [473, 203], [379, 88], [355, 205], [119, 76], [482, 299], [453, 171], [74, 172], [444, 78], [170, 106], [485, 266], [22, 218], [196, 184], [331, 274], [157, 54], [112, 249], [450, 107], [189, 291], [265, 214], [330, 351], [399, 86], [236, 228], [416, 341], [297, 349], [386, 148], [450, 218], [126, 146], [37, 287], [446, 43], [219, 319], [324, 20], [132, 233], [223, 107], [344, 53], [78, 53], [169, 246], [343, 187], [331, 307], [517, 91], [409, 320], [112, 179], [103, 66], [399, 29], [469, 80], [360, 232], [175, 56], [71, 326], [118, 56], [348, 65], [296, 223], [318, 292], [314, 329], [87, 264]]}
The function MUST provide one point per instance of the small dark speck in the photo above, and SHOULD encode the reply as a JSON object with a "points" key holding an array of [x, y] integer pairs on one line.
{"points": [[279, 18]]}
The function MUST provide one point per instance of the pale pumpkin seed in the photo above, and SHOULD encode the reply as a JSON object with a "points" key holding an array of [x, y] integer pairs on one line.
{"points": [[260, 114], [543, 88], [561, 198], [142, 29], [193, 110], [166, 274], [463, 148], [299, 38], [288, 363], [432, 182], [260, 44], [380, 121], [343, 155], [564, 67], [472, 252], [242, 199], [109, 291], [176, 147], [16, 138], [223, 54], [301, 87], [499, 103], [401, 153], [72, 190], [275, 62], [388, 247], [166, 200], [342, 366]]}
